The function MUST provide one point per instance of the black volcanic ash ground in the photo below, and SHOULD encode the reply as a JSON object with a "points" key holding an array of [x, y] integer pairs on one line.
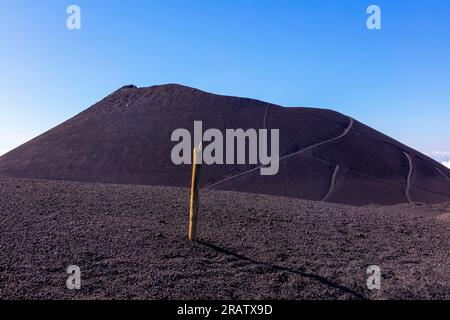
{"points": [[130, 242]]}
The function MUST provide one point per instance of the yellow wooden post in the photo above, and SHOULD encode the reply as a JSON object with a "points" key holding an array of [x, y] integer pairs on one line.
{"points": [[193, 208]]}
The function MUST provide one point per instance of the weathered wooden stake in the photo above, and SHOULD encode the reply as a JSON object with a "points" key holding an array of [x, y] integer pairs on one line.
{"points": [[193, 209]]}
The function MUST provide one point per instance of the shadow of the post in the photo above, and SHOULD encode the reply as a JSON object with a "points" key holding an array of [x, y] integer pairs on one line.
{"points": [[312, 276]]}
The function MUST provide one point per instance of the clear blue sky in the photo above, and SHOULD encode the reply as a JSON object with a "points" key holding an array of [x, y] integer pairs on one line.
{"points": [[293, 53]]}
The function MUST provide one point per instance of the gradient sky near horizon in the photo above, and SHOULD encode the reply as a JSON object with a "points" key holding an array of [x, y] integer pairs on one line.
{"points": [[316, 53]]}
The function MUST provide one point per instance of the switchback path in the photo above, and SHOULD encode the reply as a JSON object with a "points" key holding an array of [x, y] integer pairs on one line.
{"points": [[408, 181], [343, 134], [332, 183], [440, 171]]}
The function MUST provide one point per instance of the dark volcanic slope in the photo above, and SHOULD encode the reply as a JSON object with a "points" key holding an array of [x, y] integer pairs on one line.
{"points": [[130, 243], [125, 138]]}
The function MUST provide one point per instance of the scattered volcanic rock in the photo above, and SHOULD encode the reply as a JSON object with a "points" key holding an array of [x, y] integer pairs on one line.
{"points": [[125, 139], [130, 242]]}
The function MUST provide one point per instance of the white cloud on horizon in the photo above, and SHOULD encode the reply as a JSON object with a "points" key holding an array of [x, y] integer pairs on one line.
{"points": [[441, 156]]}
